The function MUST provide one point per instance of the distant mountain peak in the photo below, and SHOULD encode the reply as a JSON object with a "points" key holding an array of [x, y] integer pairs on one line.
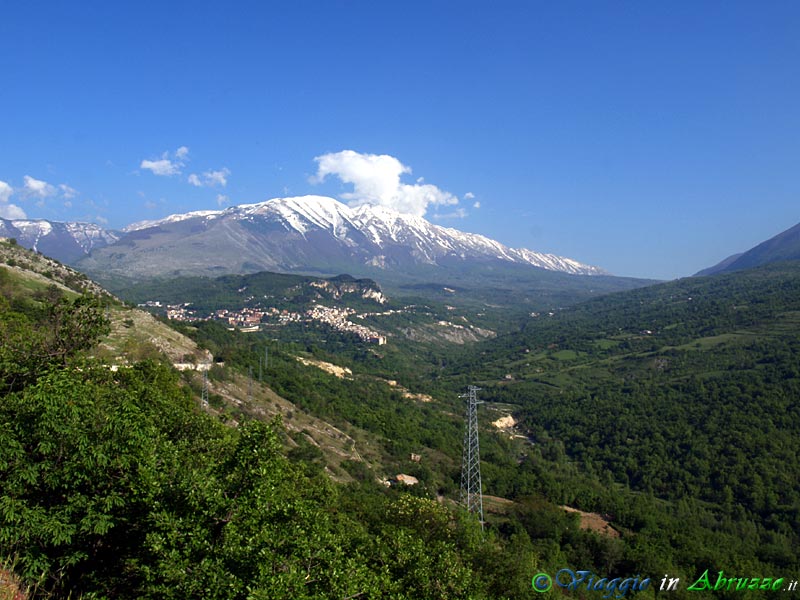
{"points": [[66, 242], [782, 247], [372, 235], [170, 219]]}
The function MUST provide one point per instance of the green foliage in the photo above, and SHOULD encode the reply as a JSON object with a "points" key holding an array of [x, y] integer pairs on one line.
{"points": [[686, 392], [364, 401], [35, 339], [266, 289], [76, 325], [675, 419], [670, 409], [82, 459], [113, 484]]}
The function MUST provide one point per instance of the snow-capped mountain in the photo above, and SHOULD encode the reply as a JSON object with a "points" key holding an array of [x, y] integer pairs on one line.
{"points": [[310, 233], [66, 242]]}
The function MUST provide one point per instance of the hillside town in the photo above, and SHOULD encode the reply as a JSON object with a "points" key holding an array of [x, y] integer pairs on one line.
{"points": [[255, 319]]}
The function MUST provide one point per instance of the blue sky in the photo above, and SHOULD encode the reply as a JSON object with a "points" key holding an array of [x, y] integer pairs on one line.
{"points": [[652, 139]]}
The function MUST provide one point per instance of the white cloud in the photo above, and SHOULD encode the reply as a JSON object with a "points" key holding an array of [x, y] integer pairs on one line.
{"points": [[67, 192], [376, 181], [101, 219], [210, 178], [222, 200], [458, 213], [162, 167], [218, 177], [7, 210], [476, 205], [167, 165], [11, 211], [469, 196], [67, 204], [36, 188], [5, 191]]}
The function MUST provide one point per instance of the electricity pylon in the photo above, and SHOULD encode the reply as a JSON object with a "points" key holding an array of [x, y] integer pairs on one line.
{"points": [[471, 494]]}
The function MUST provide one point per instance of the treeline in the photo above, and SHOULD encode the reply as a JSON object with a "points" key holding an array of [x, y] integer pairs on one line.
{"points": [[648, 319], [232, 292]]}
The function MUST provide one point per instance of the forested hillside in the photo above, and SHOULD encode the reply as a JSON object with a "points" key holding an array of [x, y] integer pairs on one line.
{"points": [[669, 412], [687, 392], [116, 485], [236, 291]]}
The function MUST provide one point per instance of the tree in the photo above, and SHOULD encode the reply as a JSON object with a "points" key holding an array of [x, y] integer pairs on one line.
{"points": [[32, 342]]}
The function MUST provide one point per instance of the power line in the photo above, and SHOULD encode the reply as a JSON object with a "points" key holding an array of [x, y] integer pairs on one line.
{"points": [[471, 495]]}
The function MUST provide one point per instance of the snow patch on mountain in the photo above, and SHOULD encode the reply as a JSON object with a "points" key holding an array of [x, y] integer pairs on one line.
{"points": [[171, 219], [61, 240], [90, 235], [34, 231]]}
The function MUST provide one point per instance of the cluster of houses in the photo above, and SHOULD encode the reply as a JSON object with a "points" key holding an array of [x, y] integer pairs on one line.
{"points": [[338, 319], [252, 319], [249, 318]]}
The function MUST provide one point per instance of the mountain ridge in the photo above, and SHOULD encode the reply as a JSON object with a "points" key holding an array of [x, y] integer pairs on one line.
{"points": [[378, 236], [321, 237], [65, 241], [781, 247]]}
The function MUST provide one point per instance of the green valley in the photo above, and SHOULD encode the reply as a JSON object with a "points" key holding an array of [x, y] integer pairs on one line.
{"points": [[636, 434]]}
